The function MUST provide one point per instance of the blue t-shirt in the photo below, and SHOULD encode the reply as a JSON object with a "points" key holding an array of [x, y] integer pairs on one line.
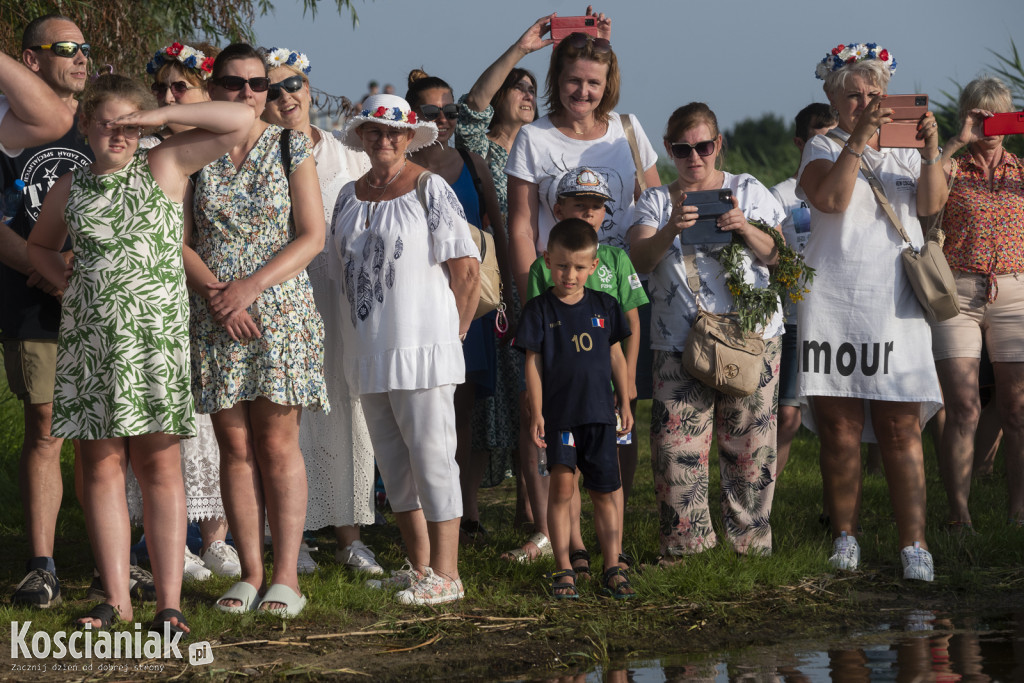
{"points": [[574, 342]]}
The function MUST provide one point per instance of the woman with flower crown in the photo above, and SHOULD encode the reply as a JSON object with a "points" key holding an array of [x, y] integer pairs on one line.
{"points": [[865, 372], [404, 257], [335, 447], [257, 220]]}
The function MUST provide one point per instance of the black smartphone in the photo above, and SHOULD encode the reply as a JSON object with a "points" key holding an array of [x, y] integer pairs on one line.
{"points": [[710, 205]]}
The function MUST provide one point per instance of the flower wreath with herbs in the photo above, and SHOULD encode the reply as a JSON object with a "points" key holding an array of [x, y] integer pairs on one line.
{"points": [[788, 280], [188, 56]]}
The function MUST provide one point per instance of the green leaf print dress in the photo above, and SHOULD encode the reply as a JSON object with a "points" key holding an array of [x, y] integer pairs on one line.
{"points": [[123, 352]]}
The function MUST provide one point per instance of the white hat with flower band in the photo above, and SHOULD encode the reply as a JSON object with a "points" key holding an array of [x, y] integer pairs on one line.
{"points": [[841, 55], [390, 110]]}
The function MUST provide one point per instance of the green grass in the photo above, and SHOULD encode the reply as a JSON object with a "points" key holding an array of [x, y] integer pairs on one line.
{"points": [[791, 589]]}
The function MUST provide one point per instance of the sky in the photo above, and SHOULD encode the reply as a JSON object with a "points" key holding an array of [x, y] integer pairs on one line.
{"points": [[744, 58]]}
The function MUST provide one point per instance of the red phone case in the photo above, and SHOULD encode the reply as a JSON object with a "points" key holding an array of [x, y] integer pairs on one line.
{"points": [[1010, 123], [562, 27], [907, 112]]}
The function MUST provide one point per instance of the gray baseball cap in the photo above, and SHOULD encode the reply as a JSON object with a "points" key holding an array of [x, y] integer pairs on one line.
{"points": [[583, 182]]}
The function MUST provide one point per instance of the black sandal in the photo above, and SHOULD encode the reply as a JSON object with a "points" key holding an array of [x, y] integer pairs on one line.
{"points": [[620, 590], [163, 617], [556, 585], [103, 611], [580, 561]]}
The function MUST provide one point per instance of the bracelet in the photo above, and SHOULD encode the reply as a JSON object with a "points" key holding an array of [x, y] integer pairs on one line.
{"points": [[932, 162], [850, 150]]}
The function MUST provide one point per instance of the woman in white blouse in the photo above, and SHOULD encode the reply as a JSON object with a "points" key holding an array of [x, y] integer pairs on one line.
{"points": [[409, 270]]}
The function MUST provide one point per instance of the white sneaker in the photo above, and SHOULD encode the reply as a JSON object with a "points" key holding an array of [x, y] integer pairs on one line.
{"points": [[222, 559], [845, 553], [307, 565], [194, 567], [917, 563], [432, 589], [358, 557], [400, 578]]}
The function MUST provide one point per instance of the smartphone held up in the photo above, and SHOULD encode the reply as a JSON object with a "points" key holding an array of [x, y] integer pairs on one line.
{"points": [[907, 113]]}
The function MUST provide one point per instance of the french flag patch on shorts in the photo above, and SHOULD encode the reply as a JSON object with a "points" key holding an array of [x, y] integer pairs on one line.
{"points": [[567, 440], [597, 321]]}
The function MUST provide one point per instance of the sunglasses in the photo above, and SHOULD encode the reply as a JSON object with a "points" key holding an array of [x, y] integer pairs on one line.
{"points": [[237, 83], [290, 84], [65, 48], [128, 132], [579, 41], [178, 88], [430, 112], [681, 150]]}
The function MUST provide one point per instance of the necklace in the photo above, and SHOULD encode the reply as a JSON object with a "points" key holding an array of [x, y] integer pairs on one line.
{"points": [[383, 188]]}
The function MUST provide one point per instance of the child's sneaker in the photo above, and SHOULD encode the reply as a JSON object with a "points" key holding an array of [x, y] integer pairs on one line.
{"points": [[194, 567], [358, 557], [917, 563], [222, 559], [845, 553], [431, 589], [400, 579]]}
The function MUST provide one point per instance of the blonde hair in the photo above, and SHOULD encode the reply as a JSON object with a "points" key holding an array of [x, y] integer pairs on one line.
{"points": [[192, 76], [114, 87], [875, 71], [987, 92]]}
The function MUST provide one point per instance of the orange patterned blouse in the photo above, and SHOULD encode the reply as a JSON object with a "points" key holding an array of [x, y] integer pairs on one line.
{"points": [[984, 223]]}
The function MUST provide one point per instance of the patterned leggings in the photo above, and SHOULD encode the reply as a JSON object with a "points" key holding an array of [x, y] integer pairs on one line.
{"points": [[683, 414]]}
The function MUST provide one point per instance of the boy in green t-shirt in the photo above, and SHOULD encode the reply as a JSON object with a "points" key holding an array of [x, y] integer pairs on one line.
{"points": [[582, 193]]}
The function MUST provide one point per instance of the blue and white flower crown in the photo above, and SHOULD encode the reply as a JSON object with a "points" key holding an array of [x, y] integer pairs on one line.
{"points": [[841, 55], [282, 56]]}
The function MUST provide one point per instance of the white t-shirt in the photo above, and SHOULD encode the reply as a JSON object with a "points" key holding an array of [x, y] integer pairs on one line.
{"points": [[674, 305], [4, 108], [796, 226], [541, 154], [861, 331], [400, 325]]}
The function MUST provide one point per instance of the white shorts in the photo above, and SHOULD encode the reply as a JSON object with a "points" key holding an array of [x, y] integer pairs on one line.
{"points": [[413, 435]]}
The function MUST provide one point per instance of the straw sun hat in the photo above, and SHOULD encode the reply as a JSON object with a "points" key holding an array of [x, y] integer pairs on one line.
{"points": [[390, 110]]}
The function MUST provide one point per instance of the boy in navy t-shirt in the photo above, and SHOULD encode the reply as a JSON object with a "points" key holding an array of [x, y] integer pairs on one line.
{"points": [[571, 337]]}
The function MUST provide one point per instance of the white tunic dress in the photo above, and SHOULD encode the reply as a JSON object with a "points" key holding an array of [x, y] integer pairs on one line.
{"points": [[336, 447], [862, 332]]}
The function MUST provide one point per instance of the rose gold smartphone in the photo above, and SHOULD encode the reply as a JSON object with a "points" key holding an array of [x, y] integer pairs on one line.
{"points": [[907, 113], [563, 27]]}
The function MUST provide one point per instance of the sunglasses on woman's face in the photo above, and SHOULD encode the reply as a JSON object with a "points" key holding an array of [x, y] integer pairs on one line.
{"points": [[65, 48], [237, 83], [681, 150], [177, 88], [290, 84], [430, 112], [579, 41]]}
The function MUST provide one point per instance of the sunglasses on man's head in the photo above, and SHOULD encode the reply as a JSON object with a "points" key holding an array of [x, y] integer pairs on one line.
{"points": [[579, 41], [237, 83], [65, 48], [430, 112], [681, 150], [290, 84], [177, 88]]}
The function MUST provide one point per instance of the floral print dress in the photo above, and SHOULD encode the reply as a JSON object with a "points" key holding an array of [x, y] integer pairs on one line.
{"points": [[242, 220], [122, 354]]}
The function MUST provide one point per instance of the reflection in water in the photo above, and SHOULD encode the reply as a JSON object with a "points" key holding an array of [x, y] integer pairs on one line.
{"points": [[925, 647]]}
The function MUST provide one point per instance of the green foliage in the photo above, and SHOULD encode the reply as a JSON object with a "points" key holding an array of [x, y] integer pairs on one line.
{"points": [[126, 33], [762, 147]]}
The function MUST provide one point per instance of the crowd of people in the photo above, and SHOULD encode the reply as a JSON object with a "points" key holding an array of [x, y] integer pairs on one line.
{"points": [[238, 316]]}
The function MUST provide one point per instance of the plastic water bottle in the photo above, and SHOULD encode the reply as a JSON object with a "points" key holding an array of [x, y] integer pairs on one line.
{"points": [[13, 198]]}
